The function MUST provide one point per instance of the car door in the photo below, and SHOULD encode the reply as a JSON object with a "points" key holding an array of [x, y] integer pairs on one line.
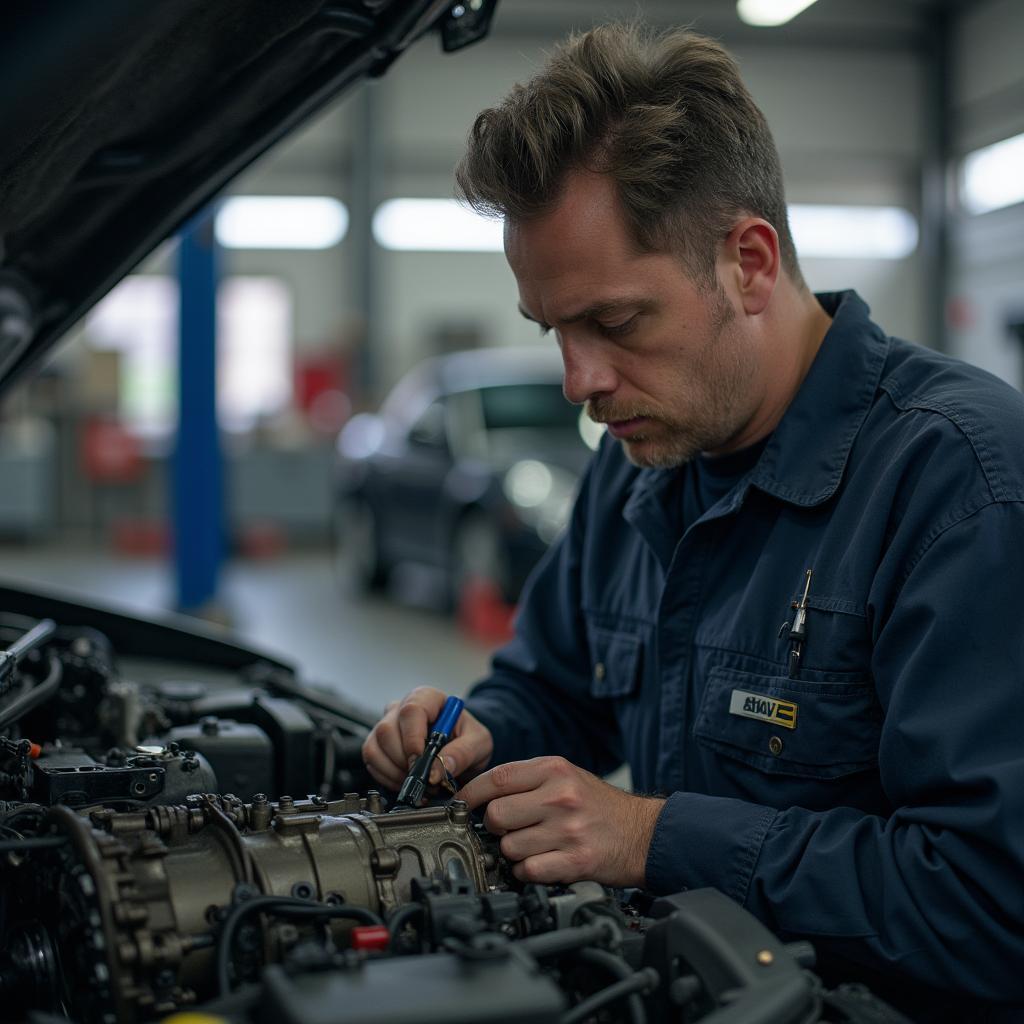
{"points": [[416, 486]]}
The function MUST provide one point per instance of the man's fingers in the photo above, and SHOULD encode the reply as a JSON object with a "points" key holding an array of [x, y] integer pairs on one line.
{"points": [[386, 779], [380, 766], [412, 724], [509, 813], [546, 869], [513, 777], [529, 842], [466, 751], [388, 739], [401, 735], [415, 715]]}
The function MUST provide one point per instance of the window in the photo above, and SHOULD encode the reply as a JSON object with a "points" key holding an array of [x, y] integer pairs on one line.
{"points": [[139, 319], [529, 406], [993, 177]]}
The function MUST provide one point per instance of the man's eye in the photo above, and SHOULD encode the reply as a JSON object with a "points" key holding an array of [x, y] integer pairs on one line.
{"points": [[620, 328]]}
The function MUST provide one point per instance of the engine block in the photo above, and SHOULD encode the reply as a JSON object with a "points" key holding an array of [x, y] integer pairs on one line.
{"points": [[143, 893]]}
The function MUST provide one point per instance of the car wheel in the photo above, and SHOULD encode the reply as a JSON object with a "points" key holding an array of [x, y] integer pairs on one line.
{"points": [[356, 546], [478, 556]]}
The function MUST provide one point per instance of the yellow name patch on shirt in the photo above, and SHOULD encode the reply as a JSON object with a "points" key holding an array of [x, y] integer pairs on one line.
{"points": [[765, 709]]}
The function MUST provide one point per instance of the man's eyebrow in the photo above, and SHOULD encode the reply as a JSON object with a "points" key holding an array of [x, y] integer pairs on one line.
{"points": [[597, 310]]}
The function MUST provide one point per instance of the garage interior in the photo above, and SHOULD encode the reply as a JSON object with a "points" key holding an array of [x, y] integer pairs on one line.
{"points": [[894, 109]]}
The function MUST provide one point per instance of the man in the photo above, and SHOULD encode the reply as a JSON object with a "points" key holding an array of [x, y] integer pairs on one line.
{"points": [[789, 595]]}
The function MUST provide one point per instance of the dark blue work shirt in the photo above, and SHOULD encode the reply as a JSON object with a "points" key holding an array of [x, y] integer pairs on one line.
{"points": [[708, 478], [873, 802]]}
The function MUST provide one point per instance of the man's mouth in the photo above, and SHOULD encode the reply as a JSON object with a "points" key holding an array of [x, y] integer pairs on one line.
{"points": [[623, 429]]}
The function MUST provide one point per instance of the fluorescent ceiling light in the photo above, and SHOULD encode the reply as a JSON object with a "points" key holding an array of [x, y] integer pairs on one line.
{"points": [[993, 177], [852, 232], [770, 12], [281, 222], [435, 225]]}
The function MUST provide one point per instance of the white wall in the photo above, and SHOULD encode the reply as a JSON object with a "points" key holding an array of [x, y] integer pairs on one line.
{"points": [[848, 125], [988, 266]]}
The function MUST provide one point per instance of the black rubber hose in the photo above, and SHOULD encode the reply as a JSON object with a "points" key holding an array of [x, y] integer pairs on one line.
{"points": [[620, 969], [32, 696], [565, 940], [32, 843], [642, 981], [613, 964], [282, 906], [400, 918]]}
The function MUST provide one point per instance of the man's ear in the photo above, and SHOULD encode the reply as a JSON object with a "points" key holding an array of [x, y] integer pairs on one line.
{"points": [[752, 253]]}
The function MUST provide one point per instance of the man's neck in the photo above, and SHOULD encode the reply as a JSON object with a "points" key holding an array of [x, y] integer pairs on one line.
{"points": [[793, 334]]}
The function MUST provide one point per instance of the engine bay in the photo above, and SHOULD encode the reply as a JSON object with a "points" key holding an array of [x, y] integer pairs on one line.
{"points": [[197, 832]]}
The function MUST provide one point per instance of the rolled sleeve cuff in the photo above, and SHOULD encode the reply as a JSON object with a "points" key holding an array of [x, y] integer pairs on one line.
{"points": [[706, 841]]}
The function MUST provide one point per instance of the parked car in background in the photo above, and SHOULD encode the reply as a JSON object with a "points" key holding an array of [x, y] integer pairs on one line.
{"points": [[469, 468]]}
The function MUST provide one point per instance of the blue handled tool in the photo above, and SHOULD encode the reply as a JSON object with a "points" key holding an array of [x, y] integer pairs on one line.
{"points": [[415, 784]]}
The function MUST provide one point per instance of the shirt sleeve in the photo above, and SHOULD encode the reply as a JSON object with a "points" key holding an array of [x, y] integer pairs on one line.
{"points": [[935, 890], [536, 700]]}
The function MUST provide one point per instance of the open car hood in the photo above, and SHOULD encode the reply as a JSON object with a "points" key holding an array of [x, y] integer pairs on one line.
{"points": [[122, 119]]}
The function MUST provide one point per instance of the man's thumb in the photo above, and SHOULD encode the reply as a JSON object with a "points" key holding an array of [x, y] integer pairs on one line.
{"points": [[465, 751]]}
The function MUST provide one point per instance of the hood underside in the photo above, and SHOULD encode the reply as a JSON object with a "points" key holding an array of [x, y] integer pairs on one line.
{"points": [[122, 119]]}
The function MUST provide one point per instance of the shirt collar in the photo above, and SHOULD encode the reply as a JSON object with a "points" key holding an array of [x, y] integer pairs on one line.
{"points": [[804, 459], [807, 454]]}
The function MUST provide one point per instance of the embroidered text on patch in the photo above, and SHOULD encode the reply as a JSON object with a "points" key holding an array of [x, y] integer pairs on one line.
{"points": [[765, 709]]}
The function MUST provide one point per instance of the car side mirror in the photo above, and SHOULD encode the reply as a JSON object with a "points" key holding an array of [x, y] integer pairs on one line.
{"points": [[429, 430]]}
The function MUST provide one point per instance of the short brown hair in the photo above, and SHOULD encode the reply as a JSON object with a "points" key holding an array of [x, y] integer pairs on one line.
{"points": [[666, 115]]}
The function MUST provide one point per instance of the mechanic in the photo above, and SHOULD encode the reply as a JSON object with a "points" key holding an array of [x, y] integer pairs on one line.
{"points": [[790, 593]]}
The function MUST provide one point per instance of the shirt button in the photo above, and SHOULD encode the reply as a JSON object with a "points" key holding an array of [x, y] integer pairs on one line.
{"points": [[775, 745], [599, 671]]}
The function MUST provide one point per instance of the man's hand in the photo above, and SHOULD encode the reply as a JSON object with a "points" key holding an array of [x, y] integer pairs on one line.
{"points": [[401, 735], [559, 823]]}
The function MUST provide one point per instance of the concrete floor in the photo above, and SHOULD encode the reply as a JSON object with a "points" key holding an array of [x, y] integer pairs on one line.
{"points": [[372, 649]]}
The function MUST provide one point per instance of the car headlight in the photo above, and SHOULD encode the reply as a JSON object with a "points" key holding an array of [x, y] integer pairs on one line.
{"points": [[541, 495]]}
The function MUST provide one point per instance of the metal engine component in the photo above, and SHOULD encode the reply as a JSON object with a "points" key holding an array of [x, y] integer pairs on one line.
{"points": [[152, 774], [142, 894], [130, 891]]}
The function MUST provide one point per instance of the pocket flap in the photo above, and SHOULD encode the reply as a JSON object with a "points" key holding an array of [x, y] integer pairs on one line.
{"points": [[788, 726]]}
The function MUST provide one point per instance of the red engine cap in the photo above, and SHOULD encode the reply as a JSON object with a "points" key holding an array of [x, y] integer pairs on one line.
{"points": [[371, 938]]}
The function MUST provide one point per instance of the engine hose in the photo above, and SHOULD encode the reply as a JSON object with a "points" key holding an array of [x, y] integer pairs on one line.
{"points": [[282, 906], [565, 940], [32, 843], [642, 981], [400, 917], [621, 971], [14, 707]]}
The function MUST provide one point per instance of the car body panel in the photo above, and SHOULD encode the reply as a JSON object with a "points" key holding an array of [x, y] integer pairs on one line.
{"points": [[438, 453], [123, 119]]}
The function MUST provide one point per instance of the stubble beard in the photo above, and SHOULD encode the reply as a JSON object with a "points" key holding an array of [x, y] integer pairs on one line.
{"points": [[713, 398]]}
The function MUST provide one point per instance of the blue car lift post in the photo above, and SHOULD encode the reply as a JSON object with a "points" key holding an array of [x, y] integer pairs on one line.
{"points": [[198, 470]]}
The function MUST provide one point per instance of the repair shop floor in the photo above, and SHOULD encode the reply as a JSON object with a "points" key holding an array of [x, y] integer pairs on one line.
{"points": [[373, 649]]}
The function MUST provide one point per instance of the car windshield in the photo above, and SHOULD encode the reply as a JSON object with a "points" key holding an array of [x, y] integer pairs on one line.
{"points": [[527, 407]]}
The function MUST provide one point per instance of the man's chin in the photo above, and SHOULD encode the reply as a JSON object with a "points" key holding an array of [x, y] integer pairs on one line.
{"points": [[647, 453]]}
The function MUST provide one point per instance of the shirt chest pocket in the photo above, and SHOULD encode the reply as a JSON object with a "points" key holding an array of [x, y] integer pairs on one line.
{"points": [[788, 726], [616, 661]]}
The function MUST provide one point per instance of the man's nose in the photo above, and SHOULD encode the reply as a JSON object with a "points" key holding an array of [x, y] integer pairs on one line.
{"points": [[587, 373]]}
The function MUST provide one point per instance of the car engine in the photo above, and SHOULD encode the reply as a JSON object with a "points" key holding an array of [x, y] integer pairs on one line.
{"points": [[184, 827]]}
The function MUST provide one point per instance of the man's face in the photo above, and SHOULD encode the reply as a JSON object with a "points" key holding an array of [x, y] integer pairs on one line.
{"points": [[660, 360]]}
